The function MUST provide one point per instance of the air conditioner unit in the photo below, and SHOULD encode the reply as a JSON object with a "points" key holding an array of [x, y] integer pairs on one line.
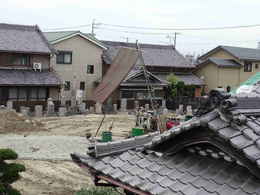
{"points": [[37, 66]]}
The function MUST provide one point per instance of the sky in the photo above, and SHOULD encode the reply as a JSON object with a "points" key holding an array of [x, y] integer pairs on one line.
{"points": [[53, 15]]}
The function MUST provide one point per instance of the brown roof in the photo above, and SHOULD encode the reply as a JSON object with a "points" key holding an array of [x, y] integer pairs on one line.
{"points": [[154, 55], [23, 38], [124, 61]]}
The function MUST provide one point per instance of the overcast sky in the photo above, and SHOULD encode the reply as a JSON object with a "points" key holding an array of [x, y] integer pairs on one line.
{"points": [[51, 14]]}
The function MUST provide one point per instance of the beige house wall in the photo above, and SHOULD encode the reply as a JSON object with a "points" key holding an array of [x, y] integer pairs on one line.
{"points": [[222, 77], [83, 53], [210, 74], [228, 77]]}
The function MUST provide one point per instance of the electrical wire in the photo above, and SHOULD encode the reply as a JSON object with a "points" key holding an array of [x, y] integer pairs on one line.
{"points": [[70, 27], [183, 29], [134, 32]]}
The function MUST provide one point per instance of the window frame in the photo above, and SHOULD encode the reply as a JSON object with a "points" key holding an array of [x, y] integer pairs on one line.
{"points": [[27, 92], [93, 69], [63, 53], [67, 86], [248, 66], [20, 58], [82, 85]]}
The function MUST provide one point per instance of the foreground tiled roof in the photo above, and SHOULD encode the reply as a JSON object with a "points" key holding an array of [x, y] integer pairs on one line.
{"points": [[154, 55], [217, 152], [184, 173], [23, 38], [28, 78]]}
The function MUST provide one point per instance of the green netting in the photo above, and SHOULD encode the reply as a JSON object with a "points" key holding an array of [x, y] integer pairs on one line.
{"points": [[251, 81]]}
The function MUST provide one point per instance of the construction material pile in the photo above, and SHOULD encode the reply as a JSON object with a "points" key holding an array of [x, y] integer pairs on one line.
{"points": [[12, 122]]}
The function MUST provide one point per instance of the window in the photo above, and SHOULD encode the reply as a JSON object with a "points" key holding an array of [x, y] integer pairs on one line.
{"points": [[19, 59], [67, 86], [64, 57], [127, 94], [256, 66], [90, 69], [33, 93], [13, 92], [248, 66], [42, 93], [82, 86], [22, 93]]}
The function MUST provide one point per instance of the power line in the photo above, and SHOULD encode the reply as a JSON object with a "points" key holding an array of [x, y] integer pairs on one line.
{"points": [[183, 29], [70, 27], [134, 32]]}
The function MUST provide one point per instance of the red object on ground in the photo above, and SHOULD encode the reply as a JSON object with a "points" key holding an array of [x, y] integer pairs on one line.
{"points": [[170, 124]]}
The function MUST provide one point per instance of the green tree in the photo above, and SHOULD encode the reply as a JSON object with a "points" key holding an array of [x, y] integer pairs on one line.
{"points": [[9, 172], [173, 80]]}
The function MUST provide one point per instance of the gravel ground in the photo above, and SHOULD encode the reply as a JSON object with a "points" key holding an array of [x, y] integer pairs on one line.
{"points": [[44, 147]]}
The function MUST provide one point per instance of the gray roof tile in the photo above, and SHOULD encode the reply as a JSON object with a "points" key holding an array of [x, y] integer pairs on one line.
{"points": [[208, 176], [224, 62], [243, 53], [228, 133], [154, 55], [232, 170], [23, 38], [241, 142], [28, 78], [252, 152]]}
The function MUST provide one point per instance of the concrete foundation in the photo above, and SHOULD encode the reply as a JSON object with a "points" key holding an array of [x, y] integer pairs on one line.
{"points": [[50, 107], [98, 108], [123, 105], [115, 107], [91, 110], [136, 104], [163, 103], [82, 108], [62, 111], [25, 110], [146, 107], [38, 110], [9, 105]]}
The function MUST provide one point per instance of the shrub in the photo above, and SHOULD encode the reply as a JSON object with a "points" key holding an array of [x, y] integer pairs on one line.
{"points": [[9, 172], [98, 191]]}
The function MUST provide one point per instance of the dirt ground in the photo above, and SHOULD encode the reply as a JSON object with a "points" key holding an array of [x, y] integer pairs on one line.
{"points": [[52, 178], [63, 177], [79, 125]]}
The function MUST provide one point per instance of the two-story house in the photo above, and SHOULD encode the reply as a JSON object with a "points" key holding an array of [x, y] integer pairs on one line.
{"points": [[26, 76], [226, 67], [160, 61], [78, 61]]}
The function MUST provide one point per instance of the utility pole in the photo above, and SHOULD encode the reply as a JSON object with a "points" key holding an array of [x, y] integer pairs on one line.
{"points": [[175, 39], [92, 27]]}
